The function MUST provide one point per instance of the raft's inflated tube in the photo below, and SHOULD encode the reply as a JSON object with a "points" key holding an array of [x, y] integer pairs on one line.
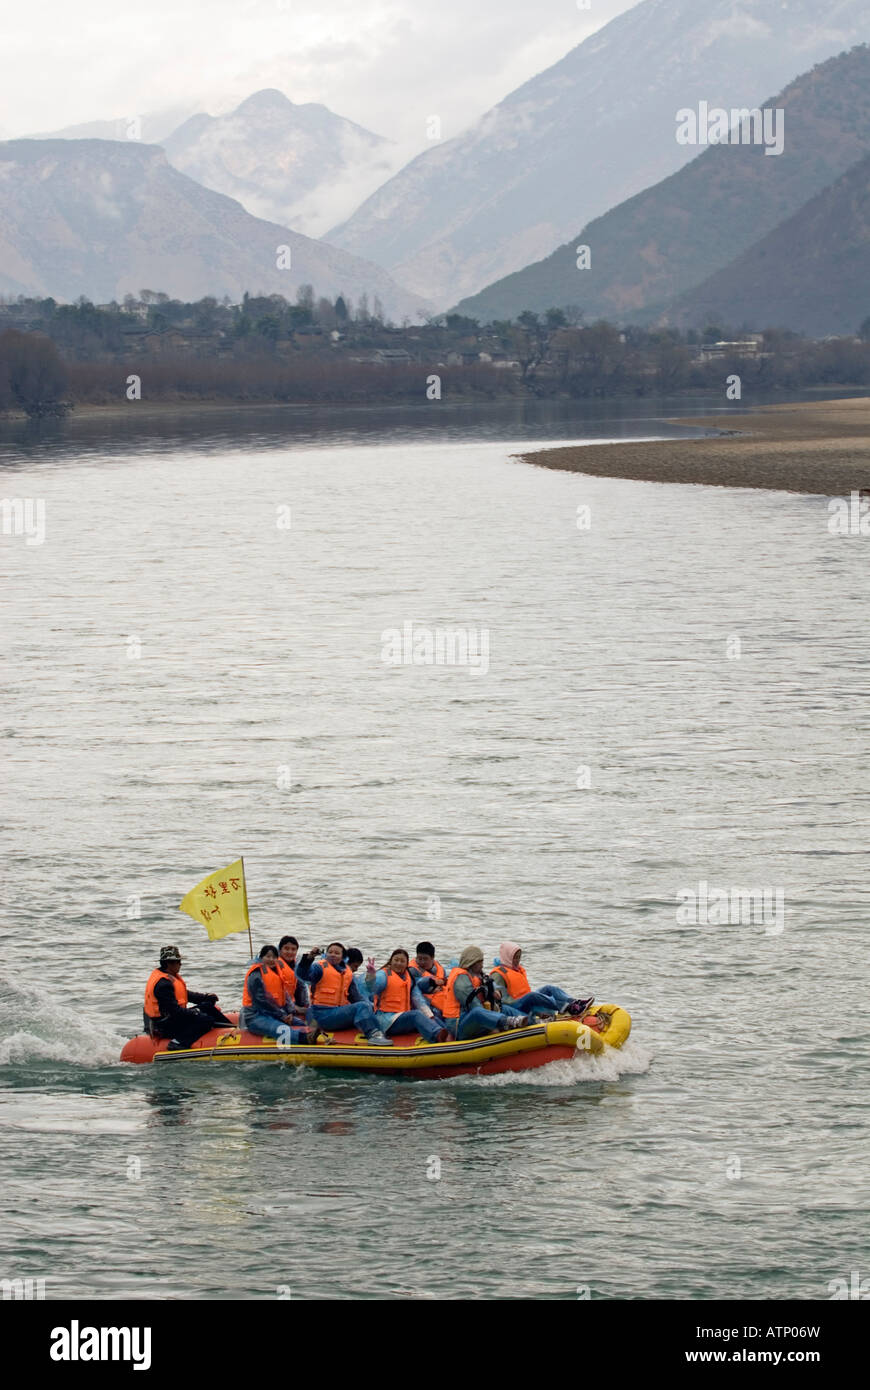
{"points": [[516, 1049], [618, 1024]]}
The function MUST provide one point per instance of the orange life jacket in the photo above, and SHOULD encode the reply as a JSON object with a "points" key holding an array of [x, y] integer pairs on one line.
{"points": [[152, 1008], [273, 982], [395, 997], [515, 978], [452, 1007], [331, 989], [288, 975], [438, 996]]}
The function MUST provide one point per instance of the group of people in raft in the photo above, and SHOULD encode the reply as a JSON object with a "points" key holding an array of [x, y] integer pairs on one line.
{"points": [[295, 999]]}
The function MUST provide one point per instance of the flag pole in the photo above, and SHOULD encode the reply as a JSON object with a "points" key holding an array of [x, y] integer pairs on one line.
{"points": [[247, 914]]}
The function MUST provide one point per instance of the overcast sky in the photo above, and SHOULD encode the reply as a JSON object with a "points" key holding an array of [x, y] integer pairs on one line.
{"points": [[387, 64]]}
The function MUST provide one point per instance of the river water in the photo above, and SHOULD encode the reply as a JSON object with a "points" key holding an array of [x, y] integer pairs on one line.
{"points": [[675, 695]]}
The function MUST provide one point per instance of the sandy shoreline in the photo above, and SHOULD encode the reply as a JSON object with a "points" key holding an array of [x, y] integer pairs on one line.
{"points": [[815, 447]]}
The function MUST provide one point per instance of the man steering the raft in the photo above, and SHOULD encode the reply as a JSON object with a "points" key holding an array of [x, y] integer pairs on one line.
{"points": [[167, 1010]]}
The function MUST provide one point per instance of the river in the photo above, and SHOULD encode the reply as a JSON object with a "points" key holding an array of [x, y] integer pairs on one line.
{"points": [[675, 696]]}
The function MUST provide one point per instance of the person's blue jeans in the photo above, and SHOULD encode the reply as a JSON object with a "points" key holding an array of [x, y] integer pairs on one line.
{"points": [[559, 996], [437, 1014], [268, 1026], [359, 1016], [414, 1021], [476, 1022], [539, 1001]]}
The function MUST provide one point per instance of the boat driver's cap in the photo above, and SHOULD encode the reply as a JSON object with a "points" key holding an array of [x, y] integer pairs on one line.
{"points": [[168, 953]]}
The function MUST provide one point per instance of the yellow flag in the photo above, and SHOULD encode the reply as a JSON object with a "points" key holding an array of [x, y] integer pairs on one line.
{"points": [[220, 901]]}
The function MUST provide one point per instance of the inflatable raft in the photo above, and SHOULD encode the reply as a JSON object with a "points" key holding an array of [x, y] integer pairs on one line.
{"points": [[518, 1049]]}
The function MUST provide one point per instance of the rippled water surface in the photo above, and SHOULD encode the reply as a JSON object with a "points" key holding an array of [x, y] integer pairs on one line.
{"points": [[170, 652]]}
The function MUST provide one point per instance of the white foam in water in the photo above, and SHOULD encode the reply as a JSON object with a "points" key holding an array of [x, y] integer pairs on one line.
{"points": [[609, 1065], [97, 1050], [48, 1031]]}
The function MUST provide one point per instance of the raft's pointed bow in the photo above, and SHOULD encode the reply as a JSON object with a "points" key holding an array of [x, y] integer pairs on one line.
{"points": [[618, 1024], [568, 1033]]}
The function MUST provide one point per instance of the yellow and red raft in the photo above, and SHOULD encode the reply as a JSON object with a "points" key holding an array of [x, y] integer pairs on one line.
{"points": [[518, 1049]]}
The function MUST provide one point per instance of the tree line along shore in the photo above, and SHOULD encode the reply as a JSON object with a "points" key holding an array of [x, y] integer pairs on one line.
{"points": [[54, 356]]}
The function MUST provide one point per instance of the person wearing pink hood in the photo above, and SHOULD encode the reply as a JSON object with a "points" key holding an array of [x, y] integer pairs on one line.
{"points": [[517, 994]]}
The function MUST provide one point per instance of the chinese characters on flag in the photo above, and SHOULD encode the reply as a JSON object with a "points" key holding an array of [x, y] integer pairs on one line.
{"points": [[220, 901]]}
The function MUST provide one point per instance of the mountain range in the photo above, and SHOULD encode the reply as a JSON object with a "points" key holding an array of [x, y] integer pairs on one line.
{"points": [[811, 274], [585, 135], [102, 218], [152, 127], [299, 165], [646, 253], [589, 144]]}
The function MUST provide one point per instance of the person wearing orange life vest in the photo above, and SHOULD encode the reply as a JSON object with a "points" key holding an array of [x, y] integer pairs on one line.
{"points": [[399, 1006], [167, 999], [336, 999], [517, 994], [297, 992], [464, 1013], [431, 977], [265, 1010]]}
